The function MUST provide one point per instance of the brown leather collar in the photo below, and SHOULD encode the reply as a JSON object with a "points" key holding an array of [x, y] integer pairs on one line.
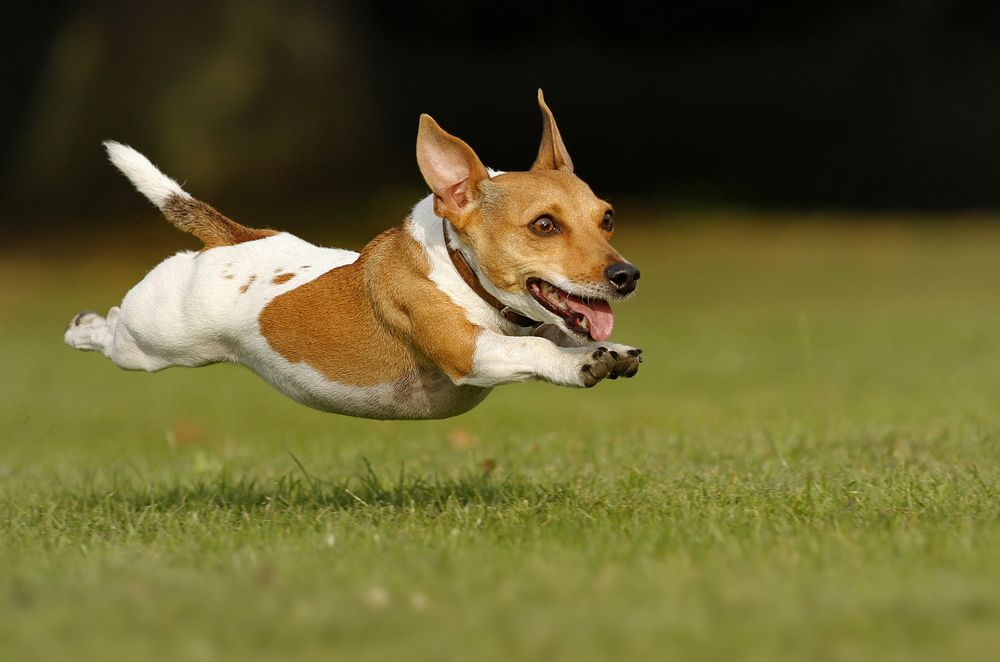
{"points": [[470, 278]]}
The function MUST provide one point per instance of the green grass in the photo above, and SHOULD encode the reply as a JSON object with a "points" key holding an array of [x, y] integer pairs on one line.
{"points": [[806, 466]]}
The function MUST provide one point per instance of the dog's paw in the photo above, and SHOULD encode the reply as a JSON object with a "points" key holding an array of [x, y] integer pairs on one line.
{"points": [[626, 362], [85, 318], [598, 364], [87, 331]]}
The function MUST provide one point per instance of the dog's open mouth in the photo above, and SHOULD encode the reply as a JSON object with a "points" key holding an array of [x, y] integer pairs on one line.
{"points": [[588, 317]]}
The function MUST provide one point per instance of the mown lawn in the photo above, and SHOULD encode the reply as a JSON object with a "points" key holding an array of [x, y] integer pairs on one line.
{"points": [[806, 466]]}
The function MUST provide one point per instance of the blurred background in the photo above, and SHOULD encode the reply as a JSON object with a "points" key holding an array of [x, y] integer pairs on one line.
{"points": [[266, 107], [809, 459]]}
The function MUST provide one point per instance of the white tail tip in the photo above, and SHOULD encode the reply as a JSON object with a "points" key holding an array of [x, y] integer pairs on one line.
{"points": [[145, 176]]}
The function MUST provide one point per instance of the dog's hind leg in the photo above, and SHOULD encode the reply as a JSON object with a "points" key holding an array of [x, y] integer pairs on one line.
{"points": [[89, 331]]}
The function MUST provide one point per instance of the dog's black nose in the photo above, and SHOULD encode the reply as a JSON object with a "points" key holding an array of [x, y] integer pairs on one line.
{"points": [[623, 276]]}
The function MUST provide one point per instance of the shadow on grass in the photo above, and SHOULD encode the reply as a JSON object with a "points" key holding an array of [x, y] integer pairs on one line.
{"points": [[298, 491]]}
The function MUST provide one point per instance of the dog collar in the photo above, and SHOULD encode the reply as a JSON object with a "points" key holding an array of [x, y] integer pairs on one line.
{"points": [[470, 278]]}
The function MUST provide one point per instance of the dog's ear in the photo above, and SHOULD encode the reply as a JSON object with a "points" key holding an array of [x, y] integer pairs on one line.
{"points": [[552, 154], [450, 168]]}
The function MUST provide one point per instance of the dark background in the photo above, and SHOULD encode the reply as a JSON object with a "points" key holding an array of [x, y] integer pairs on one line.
{"points": [[867, 105]]}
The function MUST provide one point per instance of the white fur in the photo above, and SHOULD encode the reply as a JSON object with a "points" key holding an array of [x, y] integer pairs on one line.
{"points": [[427, 228], [145, 176], [501, 359]]}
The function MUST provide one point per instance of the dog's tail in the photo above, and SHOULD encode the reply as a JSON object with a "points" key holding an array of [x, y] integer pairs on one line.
{"points": [[177, 205]]}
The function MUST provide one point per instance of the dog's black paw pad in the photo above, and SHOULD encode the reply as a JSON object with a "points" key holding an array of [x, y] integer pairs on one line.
{"points": [[602, 366], [627, 364]]}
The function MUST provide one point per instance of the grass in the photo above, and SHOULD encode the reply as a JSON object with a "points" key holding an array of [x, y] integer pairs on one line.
{"points": [[806, 466]]}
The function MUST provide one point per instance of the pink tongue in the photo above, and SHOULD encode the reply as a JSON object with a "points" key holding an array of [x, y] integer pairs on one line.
{"points": [[598, 313]]}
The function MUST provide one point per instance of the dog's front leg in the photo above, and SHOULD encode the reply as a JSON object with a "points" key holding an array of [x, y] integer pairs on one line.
{"points": [[472, 355], [500, 359], [626, 357]]}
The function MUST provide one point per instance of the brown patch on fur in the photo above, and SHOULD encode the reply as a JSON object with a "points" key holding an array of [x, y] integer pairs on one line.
{"points": [[414, 306], [374, 321], [206, 223], [282, 278], [246, 286], [330, 324], [229, 276]]}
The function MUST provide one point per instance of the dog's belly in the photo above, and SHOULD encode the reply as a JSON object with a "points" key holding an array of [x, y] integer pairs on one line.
{"points": [[419, 394]]}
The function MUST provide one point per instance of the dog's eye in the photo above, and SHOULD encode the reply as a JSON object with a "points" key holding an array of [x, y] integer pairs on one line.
{"points": [[543, 225], [609, 221]]}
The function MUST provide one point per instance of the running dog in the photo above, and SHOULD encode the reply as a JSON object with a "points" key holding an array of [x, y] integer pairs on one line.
{"points": [[494, 278]]}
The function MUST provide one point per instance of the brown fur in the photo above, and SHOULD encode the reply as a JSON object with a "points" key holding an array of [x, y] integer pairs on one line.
{"points": [[246, 286], [282, 278], [415, 308], [206, 223], [450, 167], [509, 252], [493, 214], [552, 153], [355, 334]]}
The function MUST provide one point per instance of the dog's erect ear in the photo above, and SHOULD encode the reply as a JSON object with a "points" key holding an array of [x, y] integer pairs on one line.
{"points": [[450, 168], [552, 154]]}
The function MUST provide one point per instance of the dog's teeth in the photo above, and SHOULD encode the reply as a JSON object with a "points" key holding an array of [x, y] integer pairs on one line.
{"points": [[551, 294]]}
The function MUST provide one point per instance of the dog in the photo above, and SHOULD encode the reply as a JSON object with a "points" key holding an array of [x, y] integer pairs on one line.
{"points": [[494, 278]]}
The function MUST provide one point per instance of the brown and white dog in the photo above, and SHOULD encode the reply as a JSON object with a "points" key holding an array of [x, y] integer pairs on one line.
{"points": [[494, 278]]}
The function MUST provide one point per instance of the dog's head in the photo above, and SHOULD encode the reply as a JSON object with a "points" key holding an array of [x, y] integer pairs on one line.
{"points": [[538, 239]]}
